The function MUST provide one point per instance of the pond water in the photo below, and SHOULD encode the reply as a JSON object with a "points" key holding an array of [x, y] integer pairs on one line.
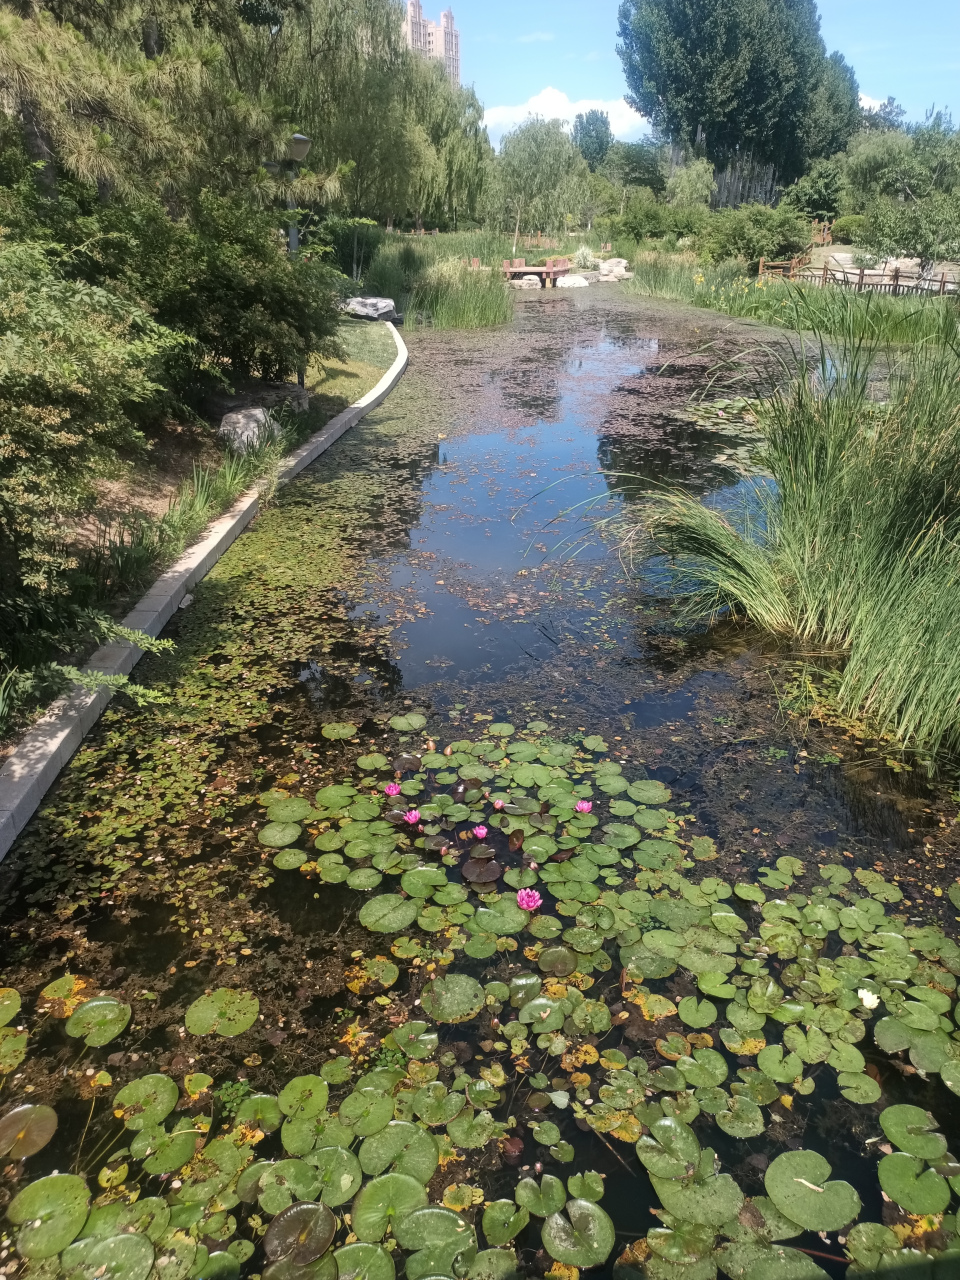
{"points": [[455, 557]]}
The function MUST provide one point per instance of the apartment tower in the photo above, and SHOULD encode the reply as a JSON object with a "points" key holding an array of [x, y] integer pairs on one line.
{"points": [[432, 40]]}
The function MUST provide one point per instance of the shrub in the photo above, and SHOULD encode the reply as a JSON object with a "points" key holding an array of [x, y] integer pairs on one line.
{"points": [[849, 228], [75, 360], [754, 231], [354, 243]]}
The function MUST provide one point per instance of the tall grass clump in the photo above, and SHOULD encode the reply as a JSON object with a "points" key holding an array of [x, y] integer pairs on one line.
{"points": [[438, 287], [854, 552]]}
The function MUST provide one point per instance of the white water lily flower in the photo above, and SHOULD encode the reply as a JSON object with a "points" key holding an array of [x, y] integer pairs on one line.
{"points": [[868, 999]]}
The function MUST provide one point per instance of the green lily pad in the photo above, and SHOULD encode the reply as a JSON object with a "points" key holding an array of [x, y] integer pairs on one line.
{"points": [[704, 1069], [369, 763], [143, 1103], [857, 1086], [9, 1004], [163, 1152], [903, 1178], [582, 1236], [543, 1200], [50, 1213], [382, 1202], [26, 1130], [797, 1183], [277, 835], [503, 1221], [289, 859], [389, 913], [696, 1013], [913, 1130], [712, 1202], [401, 1147], [416, 1039], [294, 810], [742, 1119], [120, 1257], [366, 1111], [784, 1068], [683, 1243], [286, 1181], [340, 730], [586, 1186], [223, 1012], [300, 1234], [435, 1105], [362, 1262], [262, 1110], [454, 998], [364, 878], [867, 1242], [472, 1129], [670, 1149], [98, 1021], [494, 1264], [340, 1173]]}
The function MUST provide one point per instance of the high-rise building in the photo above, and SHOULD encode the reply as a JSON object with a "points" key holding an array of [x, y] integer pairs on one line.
{"points": [[432, 40]]}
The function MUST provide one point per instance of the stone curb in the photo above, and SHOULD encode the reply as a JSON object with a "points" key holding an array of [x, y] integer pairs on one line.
{"points": [[44, 749]]}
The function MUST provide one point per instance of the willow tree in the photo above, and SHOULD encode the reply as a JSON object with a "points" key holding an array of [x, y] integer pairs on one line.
{"points": [[544, 177]]}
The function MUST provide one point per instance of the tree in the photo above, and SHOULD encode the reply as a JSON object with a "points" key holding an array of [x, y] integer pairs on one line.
{"points": [[928, 229], [733, 76], [543, 176], [631, 165], [819, 193], [592, 136], [888, 115], [691, 184]]}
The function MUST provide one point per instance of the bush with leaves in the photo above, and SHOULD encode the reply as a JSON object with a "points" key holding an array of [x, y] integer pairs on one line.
{"points": [[75, 360], [754, 231]]}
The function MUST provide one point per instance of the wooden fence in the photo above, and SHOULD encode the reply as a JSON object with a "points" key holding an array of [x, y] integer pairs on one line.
{"points": [[862, 280]]}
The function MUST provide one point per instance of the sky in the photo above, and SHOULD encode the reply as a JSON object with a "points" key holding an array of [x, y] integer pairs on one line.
{"points": [[558, 57]]}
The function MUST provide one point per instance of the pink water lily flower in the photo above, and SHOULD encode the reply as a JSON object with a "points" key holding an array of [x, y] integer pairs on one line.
{"points": [[583, 806], [480, 831], [528, 899], [392, 789], [412, 816], [498, 804]]}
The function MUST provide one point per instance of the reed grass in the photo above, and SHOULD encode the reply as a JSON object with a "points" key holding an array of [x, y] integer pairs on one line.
{"points": [[429, 281], [830, 310], [855, 551]]}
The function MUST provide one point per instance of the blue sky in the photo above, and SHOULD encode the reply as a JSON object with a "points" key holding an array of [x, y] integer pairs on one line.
{"points": [[557, 56]]}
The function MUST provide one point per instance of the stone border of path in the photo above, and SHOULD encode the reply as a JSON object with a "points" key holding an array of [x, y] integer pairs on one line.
{"points": [[47, 747]]}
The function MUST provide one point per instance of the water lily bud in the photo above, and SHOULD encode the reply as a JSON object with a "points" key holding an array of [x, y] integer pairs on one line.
{"points": [[448, 751]]}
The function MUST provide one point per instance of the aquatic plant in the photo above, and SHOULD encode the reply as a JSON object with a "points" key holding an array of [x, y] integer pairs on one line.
{"points": [[668, 1004], [855, 549]]}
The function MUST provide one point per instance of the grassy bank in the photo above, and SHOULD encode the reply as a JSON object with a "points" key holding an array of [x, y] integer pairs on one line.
{"points": [[836, 312], [855, 554]]}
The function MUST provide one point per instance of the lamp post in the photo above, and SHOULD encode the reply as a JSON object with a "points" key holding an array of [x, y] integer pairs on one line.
{"points": [[296, 152]]}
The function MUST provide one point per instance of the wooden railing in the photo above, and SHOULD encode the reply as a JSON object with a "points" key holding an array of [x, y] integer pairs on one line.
{"points": [[862, 279]]}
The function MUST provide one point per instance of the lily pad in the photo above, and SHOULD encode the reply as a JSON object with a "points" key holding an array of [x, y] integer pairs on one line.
{"points": [[389, 913], [120, 1257], [223, 1012], [286, 1181], [363, 1262], [98, 1021], [503, 1221], [26, 1130], [303, 1097], [300, 1233], [455, 998], [903, 1178], [435, 1105], [382, 1202], [797, 1183], [340, 730], [472, 1129], [913, 1130], [9, 1004], [742, 1119], [670, 1149], [712, 1202], [277, 835], [340, 1174], [143, 1103], [50, 1213], [583, 1236], [366, 1111], [696, 1013], [416, 1039], [543, 1200], [401, 1147]]}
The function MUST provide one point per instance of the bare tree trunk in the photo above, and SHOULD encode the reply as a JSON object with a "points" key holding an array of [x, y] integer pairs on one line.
{"points": [[516, 230], [39, 148]]}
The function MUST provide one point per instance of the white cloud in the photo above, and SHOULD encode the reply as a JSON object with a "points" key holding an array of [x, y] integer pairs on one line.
{"points": [[536, 37], [553, 104], [870, 104]]}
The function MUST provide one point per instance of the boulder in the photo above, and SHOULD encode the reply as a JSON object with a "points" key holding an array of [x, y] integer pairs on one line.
{"points": [[614, 269], [527, 282], [372, 309], [246, 428], [572, 282]]}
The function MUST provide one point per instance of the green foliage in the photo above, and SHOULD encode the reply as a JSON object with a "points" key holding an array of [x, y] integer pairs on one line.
{"points": [[754, 231], [691, 184], [848, 228], [593, 137], [928, 229], [819, 193], [542, 175], [748, 76]]}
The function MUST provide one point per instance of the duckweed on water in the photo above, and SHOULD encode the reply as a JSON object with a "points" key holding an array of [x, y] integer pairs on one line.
{"points": [[644, 1000]]}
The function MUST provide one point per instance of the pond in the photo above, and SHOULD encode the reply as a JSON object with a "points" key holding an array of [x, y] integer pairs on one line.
{"points": [[449, 822]]}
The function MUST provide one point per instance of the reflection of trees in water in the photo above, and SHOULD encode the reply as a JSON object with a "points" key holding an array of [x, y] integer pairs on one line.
{"points": [[666, 451]]}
